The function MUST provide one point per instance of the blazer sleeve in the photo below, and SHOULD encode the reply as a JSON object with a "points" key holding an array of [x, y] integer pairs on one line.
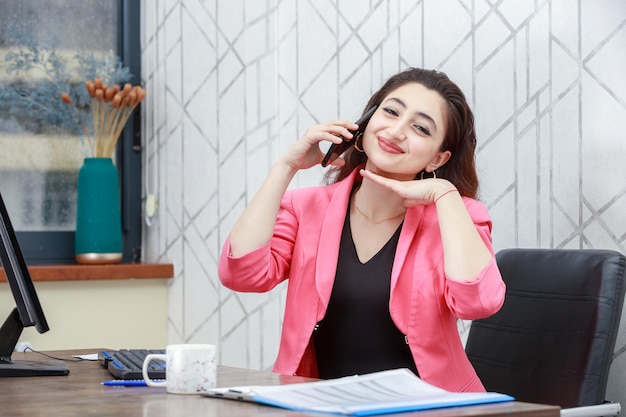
{"points": [[483, 297], [262, 269]]}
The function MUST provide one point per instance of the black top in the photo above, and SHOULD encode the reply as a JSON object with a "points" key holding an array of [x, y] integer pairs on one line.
{"points": [[357, 335]]}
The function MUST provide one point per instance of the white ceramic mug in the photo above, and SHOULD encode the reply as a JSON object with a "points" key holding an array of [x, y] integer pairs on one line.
{"points": [[189, 368]]}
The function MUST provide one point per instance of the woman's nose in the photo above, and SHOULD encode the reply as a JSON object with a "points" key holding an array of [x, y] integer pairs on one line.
{"points": [[396, 130]]}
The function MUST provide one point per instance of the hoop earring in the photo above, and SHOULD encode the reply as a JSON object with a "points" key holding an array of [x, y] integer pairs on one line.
{"points": [[356, 143], [433, 172]]}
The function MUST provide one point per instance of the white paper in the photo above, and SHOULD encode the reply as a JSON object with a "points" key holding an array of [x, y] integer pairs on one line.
{"points": [[88, 357], [376, 393]]}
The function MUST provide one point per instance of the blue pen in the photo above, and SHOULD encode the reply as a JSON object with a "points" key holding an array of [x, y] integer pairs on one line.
{"points": [[128, 382]]}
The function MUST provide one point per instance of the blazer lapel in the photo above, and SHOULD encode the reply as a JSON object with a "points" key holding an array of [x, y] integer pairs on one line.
{"points": [[330, 237], [410, 228]]}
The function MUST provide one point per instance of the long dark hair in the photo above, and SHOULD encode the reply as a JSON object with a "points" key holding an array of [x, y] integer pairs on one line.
{"points": [[460, 137]]}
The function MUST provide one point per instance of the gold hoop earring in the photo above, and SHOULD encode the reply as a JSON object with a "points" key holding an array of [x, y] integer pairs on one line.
{"points": [[433, 172], [356, 143]]}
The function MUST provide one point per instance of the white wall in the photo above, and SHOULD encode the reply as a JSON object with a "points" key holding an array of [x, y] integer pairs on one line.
{"points": [[231, 83]]}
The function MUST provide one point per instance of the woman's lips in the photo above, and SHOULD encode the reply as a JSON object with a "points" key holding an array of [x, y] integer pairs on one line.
{"points": [[388, 146]]}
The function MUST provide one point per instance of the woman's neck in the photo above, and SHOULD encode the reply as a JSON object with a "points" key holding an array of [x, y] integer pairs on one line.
{"points": [[377, 203]]}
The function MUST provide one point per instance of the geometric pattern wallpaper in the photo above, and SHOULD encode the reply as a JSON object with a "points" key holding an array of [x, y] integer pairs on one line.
{"points": [[232, 83]]}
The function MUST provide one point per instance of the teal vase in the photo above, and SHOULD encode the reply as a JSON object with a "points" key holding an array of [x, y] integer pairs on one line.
{"points": [[98, 215]]}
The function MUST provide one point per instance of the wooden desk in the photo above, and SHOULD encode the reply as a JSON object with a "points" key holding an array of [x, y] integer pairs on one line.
{"points": [[81, 394]]}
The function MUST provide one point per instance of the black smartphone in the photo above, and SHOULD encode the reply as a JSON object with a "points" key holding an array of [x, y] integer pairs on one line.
{"points": [[337, 149]]}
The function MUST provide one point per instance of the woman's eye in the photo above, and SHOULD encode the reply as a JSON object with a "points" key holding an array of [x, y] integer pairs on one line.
{"points": [[391, 111], [423, 129]]}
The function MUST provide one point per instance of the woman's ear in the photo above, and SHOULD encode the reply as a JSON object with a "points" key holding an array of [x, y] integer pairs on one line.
{"points": [[438, 161]]}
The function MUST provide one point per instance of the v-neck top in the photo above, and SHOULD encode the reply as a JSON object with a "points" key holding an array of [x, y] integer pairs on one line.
{"points": [[357, 334]]}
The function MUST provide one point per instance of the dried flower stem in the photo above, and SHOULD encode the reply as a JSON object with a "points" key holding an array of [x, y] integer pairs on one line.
{"points": [[87, 136], [111, 108]]}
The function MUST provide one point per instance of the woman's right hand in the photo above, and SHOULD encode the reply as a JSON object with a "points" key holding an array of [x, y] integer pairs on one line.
{"points": [[306, 152], [255, 226]]}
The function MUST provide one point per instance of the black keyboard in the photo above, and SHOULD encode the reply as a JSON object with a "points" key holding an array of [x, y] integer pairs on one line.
{"points": [[127, 363]]}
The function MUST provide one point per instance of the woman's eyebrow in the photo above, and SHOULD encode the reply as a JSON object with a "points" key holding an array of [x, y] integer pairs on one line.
{"points": [[418, 113]]}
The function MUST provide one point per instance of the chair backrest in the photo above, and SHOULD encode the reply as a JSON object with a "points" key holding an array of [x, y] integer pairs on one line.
{"points": [[554, 338]]}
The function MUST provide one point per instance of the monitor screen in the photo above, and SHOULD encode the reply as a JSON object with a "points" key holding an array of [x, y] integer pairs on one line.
{"points": [[27, 311]]}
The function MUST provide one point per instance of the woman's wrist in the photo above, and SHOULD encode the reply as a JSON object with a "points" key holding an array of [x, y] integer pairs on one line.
{"points": [[445, 193], [285, 168]]}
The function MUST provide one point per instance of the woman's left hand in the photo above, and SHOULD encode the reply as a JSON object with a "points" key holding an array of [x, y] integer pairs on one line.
{"points": [[414, 192], [465, 252]]}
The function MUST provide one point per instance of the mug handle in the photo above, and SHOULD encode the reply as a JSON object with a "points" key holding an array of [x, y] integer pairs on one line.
{"points": [[144, 370]]}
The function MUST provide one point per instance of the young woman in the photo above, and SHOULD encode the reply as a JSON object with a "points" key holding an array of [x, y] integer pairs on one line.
{"points": [[382, 261]]}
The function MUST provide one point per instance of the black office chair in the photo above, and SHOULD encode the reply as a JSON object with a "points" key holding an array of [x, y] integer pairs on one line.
{"points": [[554, 338]]}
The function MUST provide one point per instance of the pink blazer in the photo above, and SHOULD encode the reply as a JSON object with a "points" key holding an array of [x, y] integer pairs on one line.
{"points": [[424, 304]]}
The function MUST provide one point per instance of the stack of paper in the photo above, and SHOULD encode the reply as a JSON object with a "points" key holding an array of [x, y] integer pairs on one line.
{"points": [[364, 395]]}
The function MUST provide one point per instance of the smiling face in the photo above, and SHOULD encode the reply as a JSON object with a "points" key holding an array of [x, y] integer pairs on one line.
{"points": [[405, 134]]}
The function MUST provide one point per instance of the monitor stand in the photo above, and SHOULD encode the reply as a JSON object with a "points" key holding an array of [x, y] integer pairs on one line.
{"points": [[9, 334], [32, 368]]}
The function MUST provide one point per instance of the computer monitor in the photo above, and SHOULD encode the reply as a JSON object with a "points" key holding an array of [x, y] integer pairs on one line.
{"points": [[27, 311]]}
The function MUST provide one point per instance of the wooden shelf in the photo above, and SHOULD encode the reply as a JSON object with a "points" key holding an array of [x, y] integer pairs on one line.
{"points": [[97, 272]]}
